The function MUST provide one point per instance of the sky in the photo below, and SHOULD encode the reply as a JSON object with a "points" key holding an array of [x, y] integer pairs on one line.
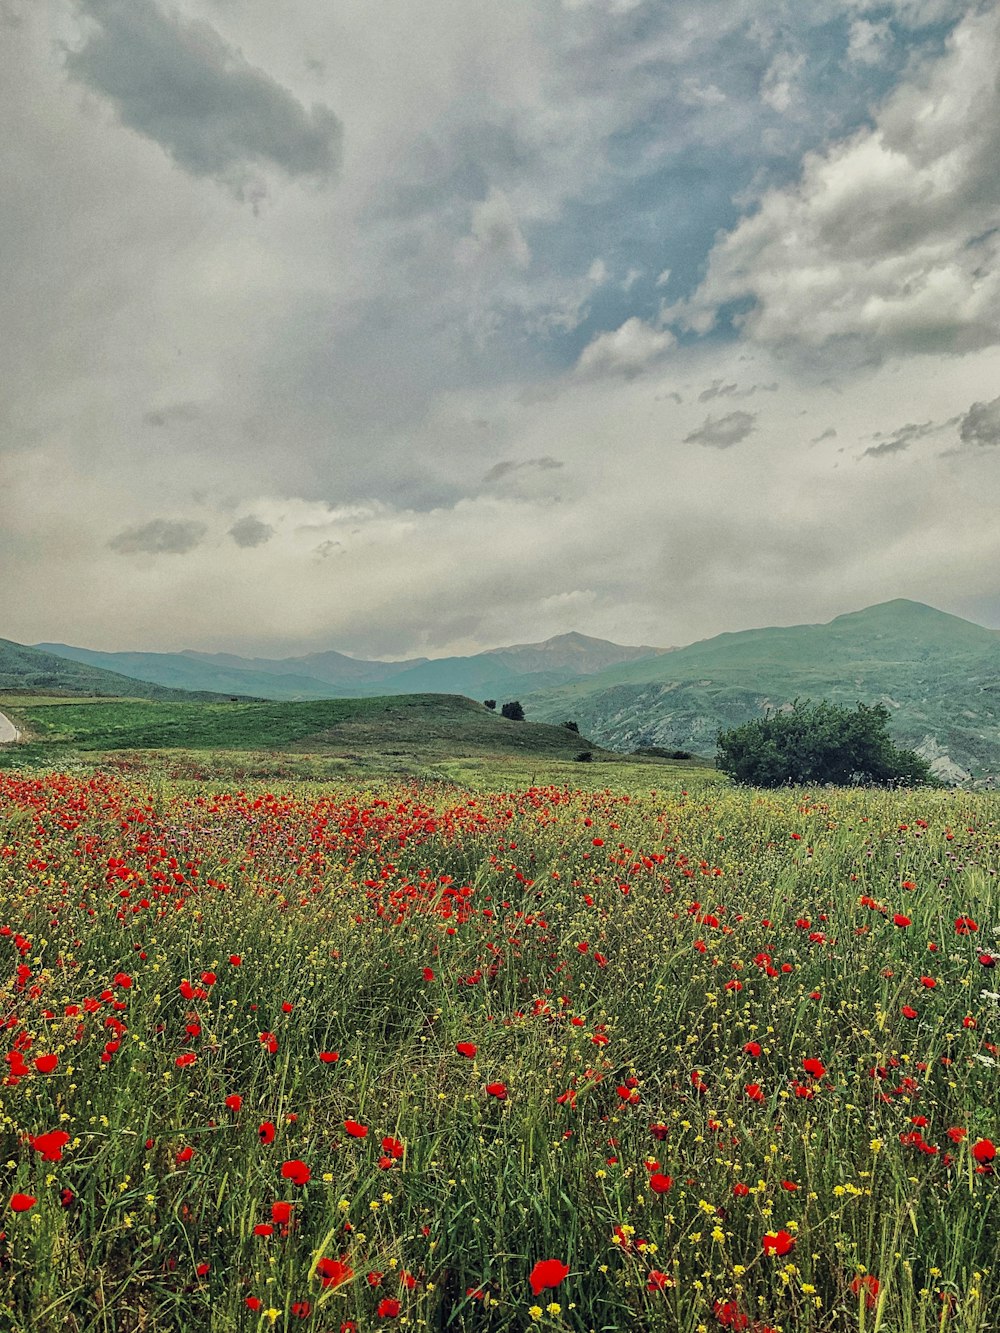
{"points": [[420, 329]]}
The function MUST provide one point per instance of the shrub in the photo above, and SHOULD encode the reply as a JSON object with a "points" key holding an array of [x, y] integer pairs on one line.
{"points": [[490, 704], [513, 710], [572, 726], [819, 742]]}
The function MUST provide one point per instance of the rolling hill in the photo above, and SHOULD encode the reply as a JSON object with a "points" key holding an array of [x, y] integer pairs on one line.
{"points": [[500, 673], [939, 676], [428, 726]]}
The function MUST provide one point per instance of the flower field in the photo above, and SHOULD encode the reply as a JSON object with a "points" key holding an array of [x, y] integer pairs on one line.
{"points": [[328, 1059]]}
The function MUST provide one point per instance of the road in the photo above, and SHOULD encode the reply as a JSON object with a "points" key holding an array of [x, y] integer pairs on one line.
{"points": [[8, 732]]}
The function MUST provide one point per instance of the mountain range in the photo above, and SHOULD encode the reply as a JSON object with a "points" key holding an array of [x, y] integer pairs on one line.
{"points": [[499, 673], [938, 675]]}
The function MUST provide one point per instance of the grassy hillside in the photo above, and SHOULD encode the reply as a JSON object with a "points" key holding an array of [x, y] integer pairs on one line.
{"points": [[939, 676], [429, 727], [24, 668]]}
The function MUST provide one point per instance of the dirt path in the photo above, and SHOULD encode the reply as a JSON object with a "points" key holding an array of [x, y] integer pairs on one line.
{"points": [[8, 732]]}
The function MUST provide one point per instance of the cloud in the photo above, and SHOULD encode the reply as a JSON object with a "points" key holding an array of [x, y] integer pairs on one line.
{"points": [[891, 235], [495, 234], [901, 438], [780, 83], [627, 351], [507, 466], [181, 85], [868, 42], [161, 536], [251, 531], [981, 424], [723, 432]]}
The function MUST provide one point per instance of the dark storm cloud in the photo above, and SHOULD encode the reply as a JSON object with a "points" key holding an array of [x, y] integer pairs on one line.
{"points": [[723, 432], [981, 424], [901, 438], [507, 466], [161, 536], [182, 86], [251, 531]]}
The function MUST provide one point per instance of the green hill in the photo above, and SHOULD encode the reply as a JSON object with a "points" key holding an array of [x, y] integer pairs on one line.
{"points": [[939, 676], [429, 726], [24, 668]]}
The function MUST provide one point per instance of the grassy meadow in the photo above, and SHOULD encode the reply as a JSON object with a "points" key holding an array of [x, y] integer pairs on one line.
{"points": [[622, 1048]]}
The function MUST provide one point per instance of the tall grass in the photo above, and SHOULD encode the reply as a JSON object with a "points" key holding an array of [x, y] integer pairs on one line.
{"points": [[642, 985]]}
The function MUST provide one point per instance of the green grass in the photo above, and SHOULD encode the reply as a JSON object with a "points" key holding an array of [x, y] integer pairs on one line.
{"points": [[400, 733], [608, 953]]}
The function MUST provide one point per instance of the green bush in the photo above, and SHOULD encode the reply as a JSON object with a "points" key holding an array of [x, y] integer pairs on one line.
{"points": [[820, 742]]}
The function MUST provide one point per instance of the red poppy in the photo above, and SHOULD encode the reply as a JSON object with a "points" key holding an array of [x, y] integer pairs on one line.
{"points": [[296, 1171], [234, 1101], [467, 1048], [355, 1129], [547, 1273], [46, 1064], [900, 920], [188, 1058], [301, 1309], [428, 974], [984, 1151], [51, 1144], [659, 1183], [870, 1287], [281, 1212], [253, 1302], [497, 1090], [329, 1057], [388, 1308], [20, 1203], [814, 1067], [755, 1092], [778, 1243], [184, 1154], [908, 1011], [263, 1229], [730, 1315], [753, 1048], [265, 1132], [334, 1272], [658, 1281], [393, 1147]]}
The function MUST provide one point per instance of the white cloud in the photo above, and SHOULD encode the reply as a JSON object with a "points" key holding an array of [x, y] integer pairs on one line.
{"points": [[891, 235], [495, 234], [868, 42], [780, 84], [627, 351]]}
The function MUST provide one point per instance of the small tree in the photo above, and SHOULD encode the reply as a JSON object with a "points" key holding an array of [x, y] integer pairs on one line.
{"points": [[572, 726], [513, 710], [491, 704], [811, 743]]}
